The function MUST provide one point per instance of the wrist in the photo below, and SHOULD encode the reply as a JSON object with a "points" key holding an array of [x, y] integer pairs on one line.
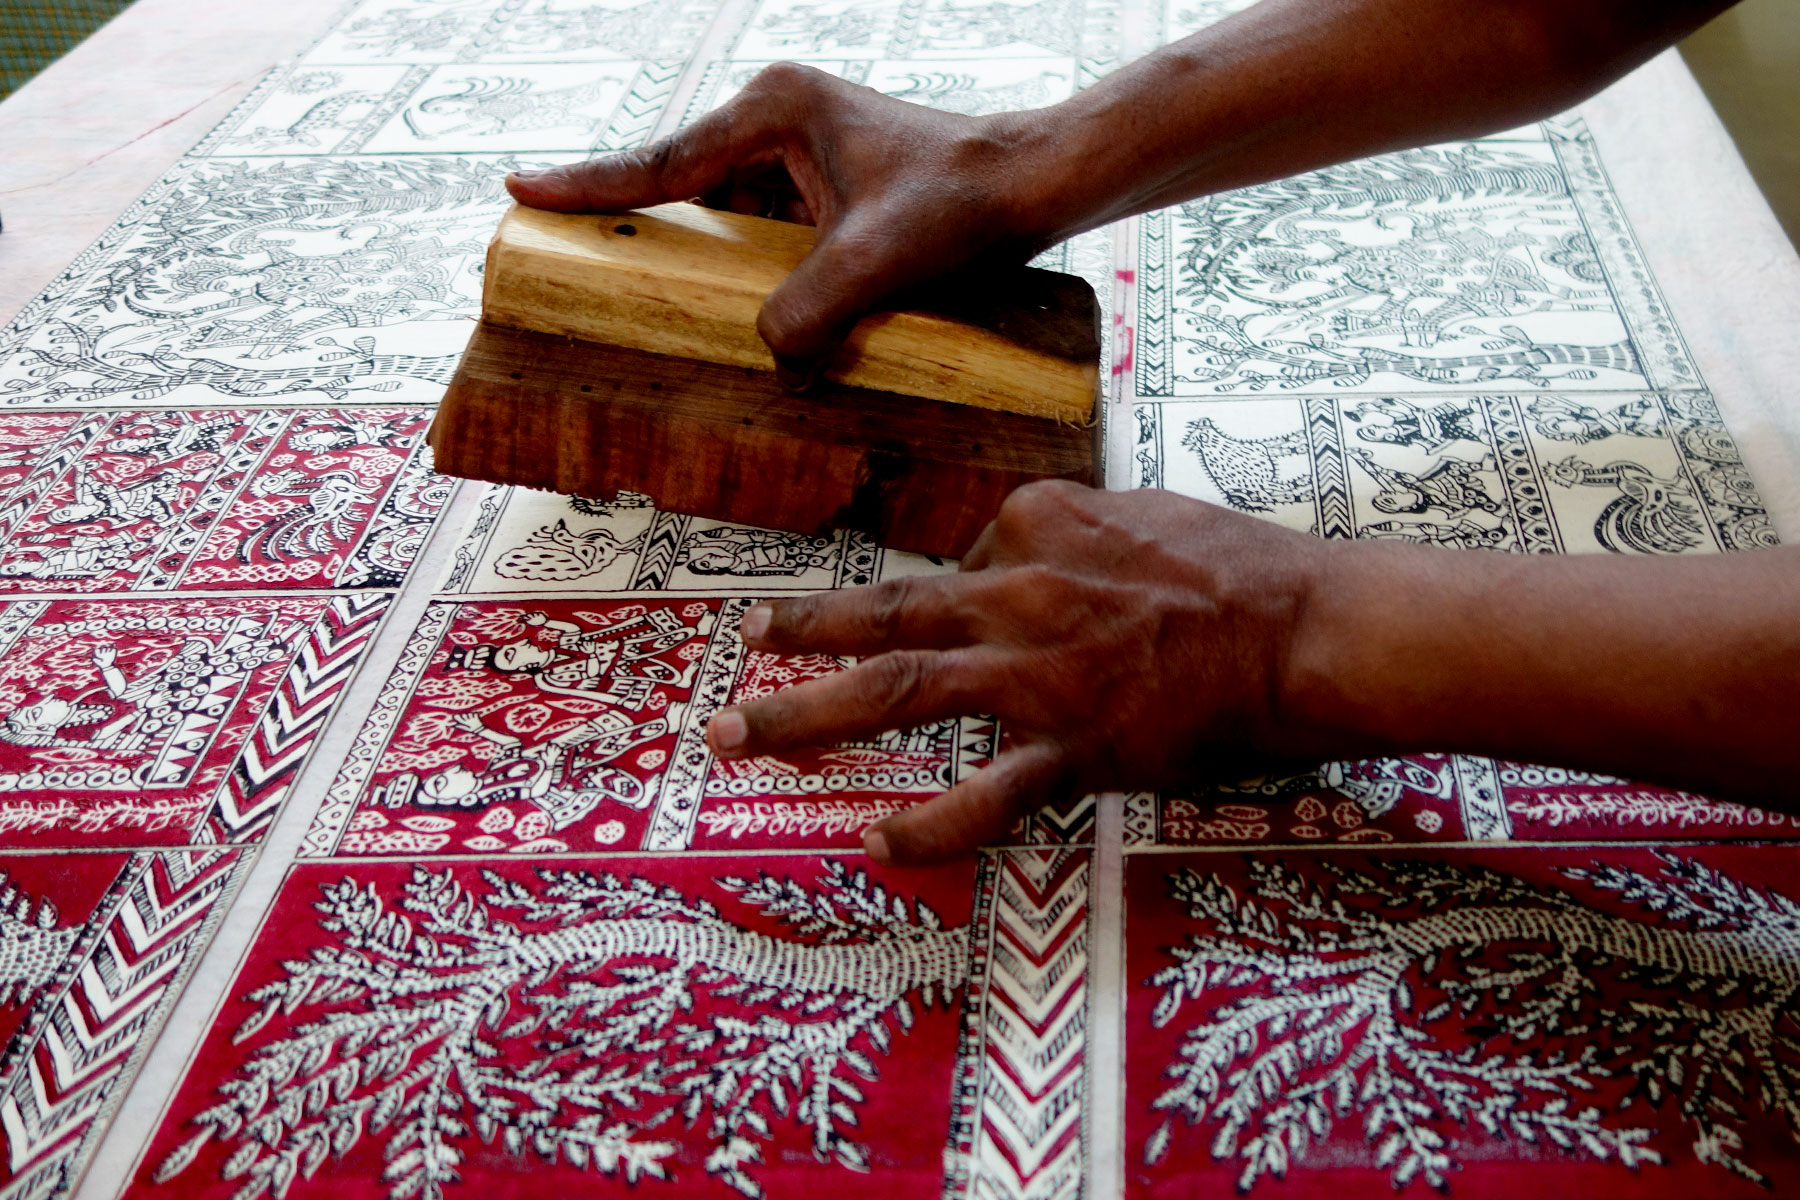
{"points": [[1049, 181], [1363, 668]]}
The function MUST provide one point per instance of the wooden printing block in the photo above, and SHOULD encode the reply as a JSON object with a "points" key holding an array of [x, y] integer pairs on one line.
{"points": [[620, 353]]}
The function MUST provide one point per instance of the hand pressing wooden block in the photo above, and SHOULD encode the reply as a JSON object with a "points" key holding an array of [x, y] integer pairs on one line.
{"points": [[620, 353], [688, 281]]}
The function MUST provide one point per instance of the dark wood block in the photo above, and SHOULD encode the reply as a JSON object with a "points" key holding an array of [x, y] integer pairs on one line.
{"points": [[730, 443]]}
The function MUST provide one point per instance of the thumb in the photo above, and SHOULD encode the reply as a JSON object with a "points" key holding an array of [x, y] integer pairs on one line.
{"points": [[980, 809], [809, 315]]}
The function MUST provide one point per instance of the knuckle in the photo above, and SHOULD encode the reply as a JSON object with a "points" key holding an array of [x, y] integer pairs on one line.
{"points": [[890, 603], [897, 681], [1036, 505], [782, 79]]}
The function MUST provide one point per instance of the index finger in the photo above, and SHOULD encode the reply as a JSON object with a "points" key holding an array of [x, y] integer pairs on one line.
{"points": [[686, 164], [914, 612]]}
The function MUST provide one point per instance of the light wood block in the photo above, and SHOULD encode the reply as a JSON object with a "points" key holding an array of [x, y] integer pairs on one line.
{"points": [[688, 282]]}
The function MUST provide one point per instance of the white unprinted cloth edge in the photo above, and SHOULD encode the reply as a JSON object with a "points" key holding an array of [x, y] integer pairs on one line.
{"points": [[1729, 274]]}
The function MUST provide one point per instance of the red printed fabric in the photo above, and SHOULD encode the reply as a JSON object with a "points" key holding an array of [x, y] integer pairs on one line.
{"points": [[690, 1025], [393, 790], [1489, 1022]]}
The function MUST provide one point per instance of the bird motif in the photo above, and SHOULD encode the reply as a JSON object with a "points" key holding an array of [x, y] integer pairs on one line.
{"points": [[1649, 516], [327, 518], [1247, 471]]}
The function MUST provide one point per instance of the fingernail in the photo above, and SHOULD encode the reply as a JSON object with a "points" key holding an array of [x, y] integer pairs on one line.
{"points": [[532, 173], [797, 374], [727, 731], [756, 622], [875, 845]]}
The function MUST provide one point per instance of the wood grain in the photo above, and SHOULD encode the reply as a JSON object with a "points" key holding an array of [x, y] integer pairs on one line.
{"points": [[730, 443], [687, 281]]}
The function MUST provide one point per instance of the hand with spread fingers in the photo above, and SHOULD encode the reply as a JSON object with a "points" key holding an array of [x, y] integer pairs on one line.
{"points": [[1132, 640], [1123, 639]]}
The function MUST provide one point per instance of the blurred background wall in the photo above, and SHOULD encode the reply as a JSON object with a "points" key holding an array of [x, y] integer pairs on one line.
{"points": [[1749, 63]]}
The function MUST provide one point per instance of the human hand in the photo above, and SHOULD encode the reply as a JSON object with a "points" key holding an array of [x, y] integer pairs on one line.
{"points": [[467, 722], [899, 193], [1125, 640], [105, 656]]}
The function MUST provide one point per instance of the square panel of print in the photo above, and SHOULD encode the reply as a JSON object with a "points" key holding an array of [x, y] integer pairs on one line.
{"points": [[560, 31], [149, 721], [879, 29], [528, 108], [773, 1023], [1446, 268], [170, 498], [314, 110], [269, 280], [97, 948], [1552, 473], [542, 725], [973, 88], [410, 31], [525, 540], [567, 31], [1486, 1022]]}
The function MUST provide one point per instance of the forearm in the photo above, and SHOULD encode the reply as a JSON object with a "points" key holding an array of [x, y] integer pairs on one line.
{"points": [[1679, 670], [1291, 85]]}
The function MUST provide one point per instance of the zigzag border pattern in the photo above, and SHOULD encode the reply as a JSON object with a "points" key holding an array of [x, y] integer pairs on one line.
{"points": [[637, 113], [1020, 1129], [340, 799], [68, 1080], [286, 732]]}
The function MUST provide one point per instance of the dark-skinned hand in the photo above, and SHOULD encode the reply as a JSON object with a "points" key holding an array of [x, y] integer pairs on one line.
{"points": [[899, 193], [1125, 640]]}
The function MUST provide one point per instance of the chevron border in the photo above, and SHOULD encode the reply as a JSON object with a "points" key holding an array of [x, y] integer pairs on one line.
{"points": [[1020, 1108], [246, 803], [86, 1043]]}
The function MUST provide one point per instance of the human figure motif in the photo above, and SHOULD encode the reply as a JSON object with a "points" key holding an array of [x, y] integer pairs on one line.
{"points": [[728, 551], [175, 436], [1452, 484], [616, 663], [1566, 420], [151, 498], [1397, 422], [196, 681], [81, 556], [567, 776]]}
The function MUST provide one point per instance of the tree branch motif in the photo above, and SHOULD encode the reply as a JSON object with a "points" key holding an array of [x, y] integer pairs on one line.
{"points": [[566, 1028], [1351, 980], [34, 946]]}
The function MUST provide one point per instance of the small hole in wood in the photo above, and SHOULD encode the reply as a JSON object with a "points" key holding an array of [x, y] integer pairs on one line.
{"points": [[625, 230], [587, 387], [656, 387], [976, 447], [517, 375]]}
